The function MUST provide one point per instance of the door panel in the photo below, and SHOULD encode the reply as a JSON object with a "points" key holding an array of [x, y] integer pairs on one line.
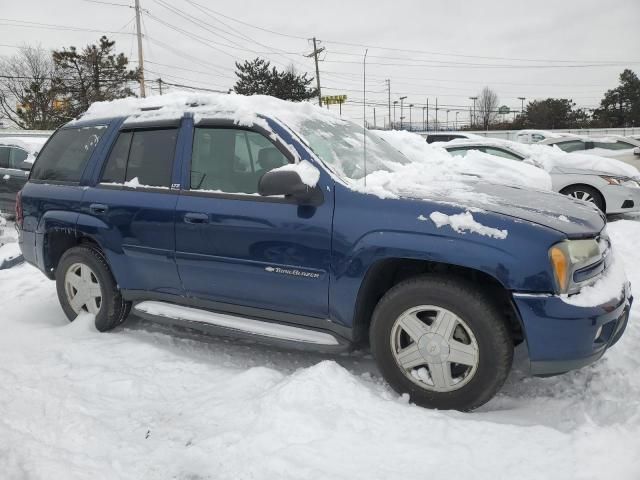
{"points": [[256, 253], [236, 247]]}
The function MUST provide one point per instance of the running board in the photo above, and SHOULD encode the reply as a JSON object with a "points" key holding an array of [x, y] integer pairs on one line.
{"points": [[237, 325]]}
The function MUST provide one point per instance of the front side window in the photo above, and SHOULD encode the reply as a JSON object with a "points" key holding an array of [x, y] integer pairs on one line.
{"points": [[571, 146], [144, 157], [66, 154], [229, 160], [498, 152], [536, 137], [460, 152], [17, 157]]}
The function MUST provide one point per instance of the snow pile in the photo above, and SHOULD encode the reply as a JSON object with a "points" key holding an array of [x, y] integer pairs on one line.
{"points": [[307, 172], [487, 167], [464, 222], [155, 403]]}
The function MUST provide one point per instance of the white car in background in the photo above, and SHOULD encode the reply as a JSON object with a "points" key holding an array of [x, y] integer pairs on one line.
{"points": [[621, 148], [537, 136], [613, 186]]}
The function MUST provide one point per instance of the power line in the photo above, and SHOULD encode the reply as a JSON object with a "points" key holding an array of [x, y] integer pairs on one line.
{"points": [[113, 4], [50, 26]]}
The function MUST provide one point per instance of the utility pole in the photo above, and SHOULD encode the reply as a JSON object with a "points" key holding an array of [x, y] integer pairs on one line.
{"points": [[314, 54], [389, 93], [427, 114], [473, 120], [160, 85], [140, 56], [424, 125], [436, 114], [457, 120], [402, 110], [374, 117], [448, 119]]}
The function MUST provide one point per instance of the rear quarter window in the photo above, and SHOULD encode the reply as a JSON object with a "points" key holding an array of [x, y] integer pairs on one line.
{"points": [[65, 156]]}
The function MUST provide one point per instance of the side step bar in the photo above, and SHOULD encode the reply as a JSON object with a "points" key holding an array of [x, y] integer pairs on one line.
{"points": [[234, 325]]}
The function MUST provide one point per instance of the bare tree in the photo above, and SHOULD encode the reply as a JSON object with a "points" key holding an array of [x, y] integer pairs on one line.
{"points": [[27, 89], [487, 107]]}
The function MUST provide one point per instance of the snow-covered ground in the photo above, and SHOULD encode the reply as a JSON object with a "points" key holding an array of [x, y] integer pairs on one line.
{"points": [[145, 402]]}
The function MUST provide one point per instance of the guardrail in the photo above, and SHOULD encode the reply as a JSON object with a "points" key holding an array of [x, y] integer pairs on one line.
{"points": [[592, 132]]}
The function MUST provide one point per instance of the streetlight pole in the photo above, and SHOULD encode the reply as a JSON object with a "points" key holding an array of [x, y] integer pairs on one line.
{"points": [[410, 121], [448, 119], [424, 125], [395, 102], [473, 119], [402, 110], [457, 120], [522, 99]]}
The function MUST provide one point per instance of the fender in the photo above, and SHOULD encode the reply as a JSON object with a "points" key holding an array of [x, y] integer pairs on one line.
{"points": [[498, 260]]}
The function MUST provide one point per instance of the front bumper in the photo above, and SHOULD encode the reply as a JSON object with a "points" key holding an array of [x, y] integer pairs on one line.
{"points": [[562, 337], [621, 199]]}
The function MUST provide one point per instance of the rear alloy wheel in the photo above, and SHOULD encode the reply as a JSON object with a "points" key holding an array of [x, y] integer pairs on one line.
{"points": [[85, 284], [442, 340], [586, 194]]}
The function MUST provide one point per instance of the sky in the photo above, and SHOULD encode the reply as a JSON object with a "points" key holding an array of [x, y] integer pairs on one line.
{"points": [[445, 51]]}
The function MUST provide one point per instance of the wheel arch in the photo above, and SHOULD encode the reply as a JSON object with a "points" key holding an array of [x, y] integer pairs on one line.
{"points": [[384, 274]]}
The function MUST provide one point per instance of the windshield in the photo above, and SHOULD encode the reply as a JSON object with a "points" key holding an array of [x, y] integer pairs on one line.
{"points": [[340, 144]]}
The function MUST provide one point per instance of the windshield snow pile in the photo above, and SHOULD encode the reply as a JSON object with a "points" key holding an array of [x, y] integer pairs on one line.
{"points": [[479, 164]]}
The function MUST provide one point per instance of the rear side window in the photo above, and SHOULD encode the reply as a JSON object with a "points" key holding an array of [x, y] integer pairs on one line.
{"points": [[66, 154], [145, 157], [613, 145], [498, 152], [16, 157]]}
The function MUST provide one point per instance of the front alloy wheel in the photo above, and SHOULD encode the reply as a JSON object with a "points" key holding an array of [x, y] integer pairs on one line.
{"points": [[434, 348]]}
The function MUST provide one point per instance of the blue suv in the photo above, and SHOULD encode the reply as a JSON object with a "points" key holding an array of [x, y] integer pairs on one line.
{"points": [[260, 226]]}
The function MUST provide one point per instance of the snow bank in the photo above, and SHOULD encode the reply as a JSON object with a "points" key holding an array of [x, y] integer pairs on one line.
{"points": [[481, 165], [149, 402], [464, 222], [308, 173]]}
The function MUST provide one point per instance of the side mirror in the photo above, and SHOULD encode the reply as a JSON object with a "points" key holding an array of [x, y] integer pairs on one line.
{"points": [[289, 184], [636, 151]]}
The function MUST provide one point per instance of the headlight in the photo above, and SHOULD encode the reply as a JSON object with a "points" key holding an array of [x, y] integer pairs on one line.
{"points": [[623, 181], [570, 255]]}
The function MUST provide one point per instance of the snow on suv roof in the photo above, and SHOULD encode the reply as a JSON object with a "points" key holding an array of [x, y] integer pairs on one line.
{"points": [[243, 110]]}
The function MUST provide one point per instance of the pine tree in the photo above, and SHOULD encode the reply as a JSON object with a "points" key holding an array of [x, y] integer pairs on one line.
{"points": [[257, 77], [94, 74], [620, 106]]}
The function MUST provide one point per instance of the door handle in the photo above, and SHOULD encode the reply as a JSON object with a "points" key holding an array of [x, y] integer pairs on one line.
{"points": [[98, 208], [196, 218]]}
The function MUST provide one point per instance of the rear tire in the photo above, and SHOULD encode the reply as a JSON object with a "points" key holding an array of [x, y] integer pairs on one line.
{"points": [[586, 193], [442, 341], [85, 284]]}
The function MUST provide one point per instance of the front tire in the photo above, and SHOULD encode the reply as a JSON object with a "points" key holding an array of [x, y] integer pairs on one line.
{"points": [[587, 194], [440, 340], [85, 284]]}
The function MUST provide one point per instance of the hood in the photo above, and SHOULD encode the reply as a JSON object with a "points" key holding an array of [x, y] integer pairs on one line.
{"points": [[574, 218]]}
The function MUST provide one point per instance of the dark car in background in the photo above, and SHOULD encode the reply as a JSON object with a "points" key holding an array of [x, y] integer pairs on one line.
{"points": [[17, 154]]}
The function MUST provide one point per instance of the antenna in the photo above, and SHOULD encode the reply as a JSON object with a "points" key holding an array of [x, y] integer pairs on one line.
{"points": [[364, 109]]}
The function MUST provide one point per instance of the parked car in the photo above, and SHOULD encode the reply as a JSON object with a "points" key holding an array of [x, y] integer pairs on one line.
{"points": [[537, 136], [16, 157], [612, 190], [209, 212], [618, 147], [447, 136]]}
